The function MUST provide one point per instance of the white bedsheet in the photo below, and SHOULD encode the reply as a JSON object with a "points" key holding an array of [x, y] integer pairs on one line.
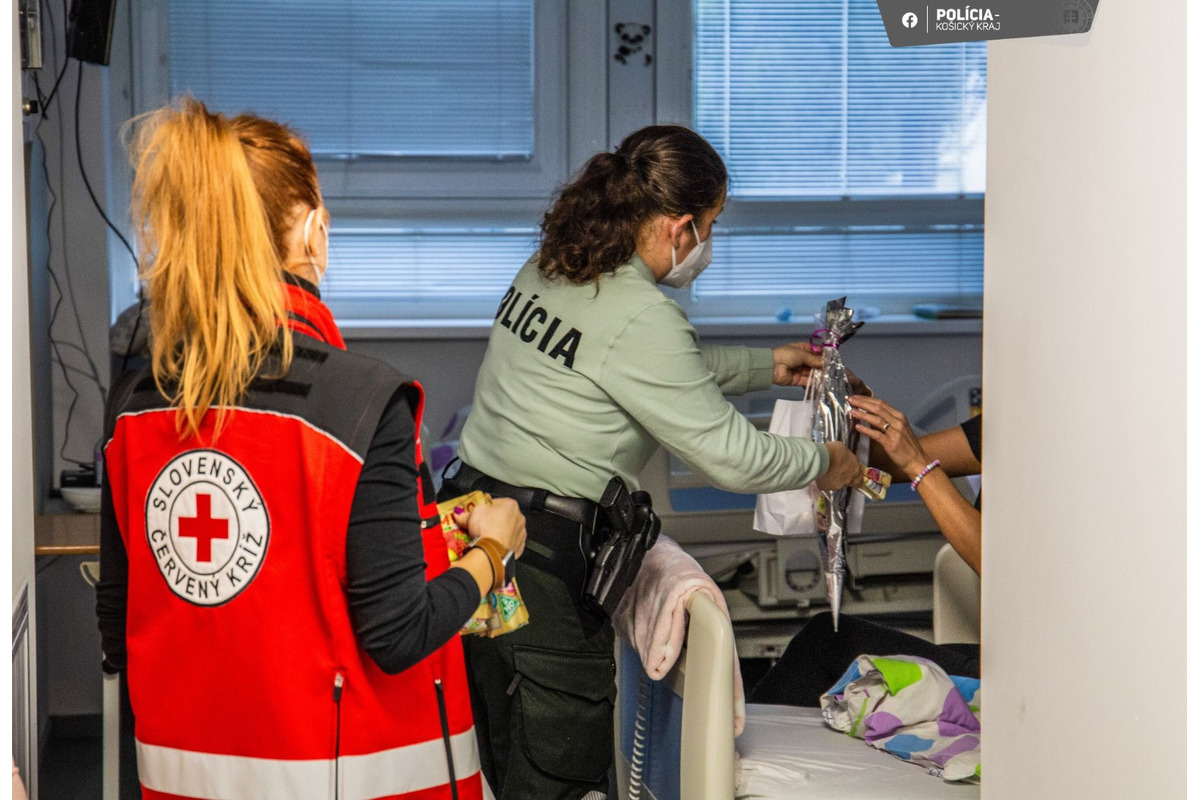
{"points": [[789, 753]]}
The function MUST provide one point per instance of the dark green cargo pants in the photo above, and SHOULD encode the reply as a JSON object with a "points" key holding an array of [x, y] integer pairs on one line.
{"points": [[543, 695], [543, 699]]}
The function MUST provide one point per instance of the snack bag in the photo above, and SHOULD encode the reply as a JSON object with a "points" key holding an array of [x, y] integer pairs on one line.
{"points": [[481, 621], [456, 538], [501, 611], [508, 610], [875, 483]]}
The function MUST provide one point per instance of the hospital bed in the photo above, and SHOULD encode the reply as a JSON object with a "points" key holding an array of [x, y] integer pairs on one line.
{"points": [[675, 737]]}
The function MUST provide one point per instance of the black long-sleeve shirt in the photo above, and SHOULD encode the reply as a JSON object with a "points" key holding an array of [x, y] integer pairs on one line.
{"points": [[398, 616]]}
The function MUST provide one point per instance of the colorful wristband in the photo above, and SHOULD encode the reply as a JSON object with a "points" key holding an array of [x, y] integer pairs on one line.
{"points": [[930, 467]]}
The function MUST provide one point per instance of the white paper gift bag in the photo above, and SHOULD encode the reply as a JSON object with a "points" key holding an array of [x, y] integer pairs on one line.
{"points": [[790, 513]]}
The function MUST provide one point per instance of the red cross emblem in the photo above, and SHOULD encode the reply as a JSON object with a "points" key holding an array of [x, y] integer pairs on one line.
{"points": [[204, 527]]}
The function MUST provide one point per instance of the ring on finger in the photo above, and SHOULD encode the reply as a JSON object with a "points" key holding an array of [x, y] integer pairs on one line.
{"points": [[886, 425]]}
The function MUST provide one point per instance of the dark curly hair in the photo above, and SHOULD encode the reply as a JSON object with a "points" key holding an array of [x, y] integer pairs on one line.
{"points": [[594, 224]]}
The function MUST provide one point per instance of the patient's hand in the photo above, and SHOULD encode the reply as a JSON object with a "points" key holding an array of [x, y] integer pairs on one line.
{"points": [[888, 427]]}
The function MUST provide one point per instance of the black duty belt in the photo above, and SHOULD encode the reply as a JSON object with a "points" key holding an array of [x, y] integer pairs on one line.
{"points": [[574, 509]]}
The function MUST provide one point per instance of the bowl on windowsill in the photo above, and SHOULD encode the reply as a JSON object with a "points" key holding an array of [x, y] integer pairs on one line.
{"points": [[83, 498]]}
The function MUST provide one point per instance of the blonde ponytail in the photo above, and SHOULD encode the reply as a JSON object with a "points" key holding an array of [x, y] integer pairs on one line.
{"points": [[212, 256]]}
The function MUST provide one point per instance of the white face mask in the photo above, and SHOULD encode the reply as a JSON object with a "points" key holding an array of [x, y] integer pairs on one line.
{"points": [[308, 221], [686, 271]]}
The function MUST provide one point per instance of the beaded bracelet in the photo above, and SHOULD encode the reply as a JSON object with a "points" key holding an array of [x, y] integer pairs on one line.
{"points": [[930, 467]]}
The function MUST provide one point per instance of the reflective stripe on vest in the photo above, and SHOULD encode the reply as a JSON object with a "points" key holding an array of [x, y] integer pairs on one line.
{"points": [[388, 773]]}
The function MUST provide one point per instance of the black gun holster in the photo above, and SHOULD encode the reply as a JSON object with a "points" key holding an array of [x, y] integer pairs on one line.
{"points": [[628, 528]]}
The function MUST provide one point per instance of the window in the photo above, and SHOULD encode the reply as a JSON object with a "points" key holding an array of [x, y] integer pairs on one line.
{"points": [[438, 129], [414, 79], [441, 130], [855, 167]]}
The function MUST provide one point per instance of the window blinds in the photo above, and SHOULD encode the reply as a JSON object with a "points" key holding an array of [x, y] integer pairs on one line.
{"points": [[808, 99], [422, 78], [391, 266], [911, 266]]}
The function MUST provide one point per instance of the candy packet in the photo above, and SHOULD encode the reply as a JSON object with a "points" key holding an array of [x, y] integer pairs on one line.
{"points": [[501, 611], [875, 483], [508, 610], [456, 538]]}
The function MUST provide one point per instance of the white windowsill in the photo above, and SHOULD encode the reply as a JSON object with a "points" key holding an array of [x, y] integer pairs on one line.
{"points": [[747, 327]]}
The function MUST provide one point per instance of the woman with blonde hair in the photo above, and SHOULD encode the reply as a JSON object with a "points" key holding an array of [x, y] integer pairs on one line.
{"points": [[275, 584]]}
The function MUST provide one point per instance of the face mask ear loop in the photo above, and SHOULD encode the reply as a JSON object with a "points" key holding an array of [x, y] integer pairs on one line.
{"points": [[308, 232], [696, 233], [674, 260], [325, 230], [308, 251]]}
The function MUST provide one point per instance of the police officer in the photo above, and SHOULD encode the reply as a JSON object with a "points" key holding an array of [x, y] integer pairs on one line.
{"points": [[589, 369]]}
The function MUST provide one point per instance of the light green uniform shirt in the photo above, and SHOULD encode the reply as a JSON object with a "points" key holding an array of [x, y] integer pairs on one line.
{"points": [[579, 385]]}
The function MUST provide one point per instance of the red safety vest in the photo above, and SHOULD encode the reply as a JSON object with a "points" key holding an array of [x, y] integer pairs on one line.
{"points": [[244, 672]]}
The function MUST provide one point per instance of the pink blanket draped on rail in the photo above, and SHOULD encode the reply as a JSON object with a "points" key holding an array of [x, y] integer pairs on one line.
{"points": [[652, 615]]}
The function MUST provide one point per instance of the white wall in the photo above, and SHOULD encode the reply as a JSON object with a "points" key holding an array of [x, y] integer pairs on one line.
{"points": [[1084, 525]]}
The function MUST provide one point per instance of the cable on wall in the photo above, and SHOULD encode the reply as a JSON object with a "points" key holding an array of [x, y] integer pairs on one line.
{"points": [[100, 209], [55, 343], [63, 286], [45, 101], [83, 172]]}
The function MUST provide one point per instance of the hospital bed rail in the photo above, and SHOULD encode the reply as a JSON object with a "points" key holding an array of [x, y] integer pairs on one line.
{"points": [[675, 736]]}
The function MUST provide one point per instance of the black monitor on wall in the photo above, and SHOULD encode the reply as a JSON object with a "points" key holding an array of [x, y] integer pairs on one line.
{"points": [[89, 30]]}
